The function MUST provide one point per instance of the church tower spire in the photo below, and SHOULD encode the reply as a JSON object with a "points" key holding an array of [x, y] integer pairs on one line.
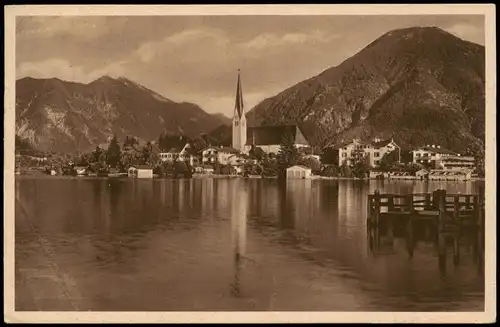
{"points": [[238, 106], [239, 120]]}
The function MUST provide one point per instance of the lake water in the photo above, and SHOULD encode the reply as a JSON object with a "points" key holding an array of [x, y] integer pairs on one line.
{"points": [[161, 245]]}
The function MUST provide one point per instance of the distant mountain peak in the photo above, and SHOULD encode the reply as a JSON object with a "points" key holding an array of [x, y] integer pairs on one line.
{"points": [[421, 83], [65, 116], [105, 78]]}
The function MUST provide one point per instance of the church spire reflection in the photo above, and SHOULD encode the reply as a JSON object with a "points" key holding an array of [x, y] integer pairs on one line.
{"points": [[238, 232]]}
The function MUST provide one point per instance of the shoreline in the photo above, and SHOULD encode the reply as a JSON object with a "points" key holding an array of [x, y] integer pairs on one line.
{"points": [[214, 176]]}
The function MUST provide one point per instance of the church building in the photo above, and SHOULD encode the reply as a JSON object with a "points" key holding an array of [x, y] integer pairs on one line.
{"points": [[268, 138]]}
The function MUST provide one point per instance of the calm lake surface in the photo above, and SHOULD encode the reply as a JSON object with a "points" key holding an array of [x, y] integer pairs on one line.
{"points": [[147, 245]]}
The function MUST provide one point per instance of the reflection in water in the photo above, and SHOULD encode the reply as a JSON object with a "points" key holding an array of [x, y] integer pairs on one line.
{"points": [[136, 245], [239, 231]]}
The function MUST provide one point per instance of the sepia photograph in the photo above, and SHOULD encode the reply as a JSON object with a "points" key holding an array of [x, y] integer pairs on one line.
{"points": [[264, 163]]}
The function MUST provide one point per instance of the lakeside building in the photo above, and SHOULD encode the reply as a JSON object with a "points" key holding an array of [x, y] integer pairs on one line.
{"points": [[373, 151], [80, 170], [298, 171], [267, 138], [204, 169], [180, 153], [457, 162], [453, 175], [140, 171], [398, 174], [223, 155], [422, 174], [430, 154], [436, 157]]}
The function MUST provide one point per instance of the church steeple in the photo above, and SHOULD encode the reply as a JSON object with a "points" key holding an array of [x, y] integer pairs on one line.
{"points": [[239, 120], [238, 106]]}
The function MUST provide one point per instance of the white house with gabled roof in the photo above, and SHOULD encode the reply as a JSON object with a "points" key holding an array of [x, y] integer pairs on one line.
{"points": [[373, 151], [180, 153]]}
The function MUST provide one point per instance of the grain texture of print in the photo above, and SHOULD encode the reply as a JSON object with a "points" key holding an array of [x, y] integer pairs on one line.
{"points": [[250, 163]]}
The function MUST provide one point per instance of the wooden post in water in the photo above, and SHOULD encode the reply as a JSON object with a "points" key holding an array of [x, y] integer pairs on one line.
{"points": [[427, 202], [369, 223], [409, 231], [376, 212], [457, 233], [369, 211], [475, 247], [442, 210], [440, 233], [390, 202], [435, 199], [456, 208], [389, 218], [480, 223], [409, 203], [435, 223], [467, 202]]}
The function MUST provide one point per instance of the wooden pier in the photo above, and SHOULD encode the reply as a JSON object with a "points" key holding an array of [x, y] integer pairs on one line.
{"points": [[444, 217]]}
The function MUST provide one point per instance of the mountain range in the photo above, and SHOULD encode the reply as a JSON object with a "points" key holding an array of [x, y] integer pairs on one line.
{"points": [[418, 85], [55, 115]]}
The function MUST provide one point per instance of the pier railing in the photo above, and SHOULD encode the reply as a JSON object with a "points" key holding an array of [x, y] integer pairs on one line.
{"points": [[450, 214], [437, 204]]}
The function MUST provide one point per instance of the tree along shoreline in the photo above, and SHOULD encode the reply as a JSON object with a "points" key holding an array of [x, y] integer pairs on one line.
{"points": [[117, 159]]}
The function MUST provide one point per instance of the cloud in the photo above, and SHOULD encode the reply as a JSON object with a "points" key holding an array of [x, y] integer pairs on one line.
{"points": [[468, 32], [89, 27], [209, 37], [56, 67], [114, 69], [269, 40]]}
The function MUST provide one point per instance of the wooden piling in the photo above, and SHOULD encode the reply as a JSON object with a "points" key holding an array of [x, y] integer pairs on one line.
{"points": [[481, 230], [389, 219], [480, 207], [376, 211], [456, 207], [427, 202], [409, 227], [369, 211], [442, 210], [444, 215], [390, 203], [409, 204], [435, 199]]}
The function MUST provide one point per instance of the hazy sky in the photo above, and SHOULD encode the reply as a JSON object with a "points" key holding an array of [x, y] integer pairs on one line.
{"points": [[195, 58]]}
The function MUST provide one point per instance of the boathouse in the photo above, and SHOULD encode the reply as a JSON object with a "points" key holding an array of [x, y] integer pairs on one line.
{"points": [[447, 175], [140, 171], [422, 173], [204, 169], [298, 171], [401, 175], [378, 174]]}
